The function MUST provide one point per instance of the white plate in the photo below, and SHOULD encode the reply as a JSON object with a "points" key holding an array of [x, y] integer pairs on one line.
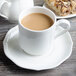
{"points": [[61, 51], [60, 17]]}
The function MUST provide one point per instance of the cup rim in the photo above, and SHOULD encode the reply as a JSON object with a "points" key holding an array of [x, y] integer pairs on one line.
{"points": [[36, 30]]}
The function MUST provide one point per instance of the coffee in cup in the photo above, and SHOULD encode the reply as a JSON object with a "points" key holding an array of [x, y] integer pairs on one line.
{"points": [[37, 21]]}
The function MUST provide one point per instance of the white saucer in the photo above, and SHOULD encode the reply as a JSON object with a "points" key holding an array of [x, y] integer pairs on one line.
{"points": [[62, 51], [60, 17]]}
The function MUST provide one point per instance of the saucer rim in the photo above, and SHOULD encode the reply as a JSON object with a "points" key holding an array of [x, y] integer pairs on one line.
{"points": [[16, 27]]}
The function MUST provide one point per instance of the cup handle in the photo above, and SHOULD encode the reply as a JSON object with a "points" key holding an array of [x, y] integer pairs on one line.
{"points": [[4, 9], [61, 22]]}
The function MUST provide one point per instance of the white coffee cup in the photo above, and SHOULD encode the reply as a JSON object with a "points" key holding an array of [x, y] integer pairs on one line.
{"points": [[39, 42]]}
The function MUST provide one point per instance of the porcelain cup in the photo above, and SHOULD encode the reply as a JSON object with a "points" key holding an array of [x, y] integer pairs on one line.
{"points": [[40, 42]]}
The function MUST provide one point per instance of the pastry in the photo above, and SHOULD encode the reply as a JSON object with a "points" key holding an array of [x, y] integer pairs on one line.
{"points": [[73, 3], [62, 7]]}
